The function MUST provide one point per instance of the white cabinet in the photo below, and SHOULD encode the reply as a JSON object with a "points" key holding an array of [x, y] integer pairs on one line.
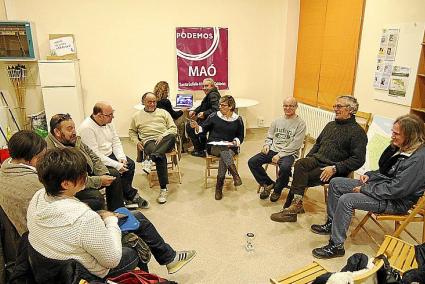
{"points": [[61, 88]]}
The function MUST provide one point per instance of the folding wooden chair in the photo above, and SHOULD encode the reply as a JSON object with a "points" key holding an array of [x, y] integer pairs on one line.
{"points": [[400, 254], [211, 163], [173, 167], [416, 214]]}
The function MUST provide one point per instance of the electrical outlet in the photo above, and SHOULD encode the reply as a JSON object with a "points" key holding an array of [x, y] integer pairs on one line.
{"points": [[260, 121]]}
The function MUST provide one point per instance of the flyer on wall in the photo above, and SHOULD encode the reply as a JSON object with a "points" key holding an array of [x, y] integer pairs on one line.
{"points": [[399, 81]]}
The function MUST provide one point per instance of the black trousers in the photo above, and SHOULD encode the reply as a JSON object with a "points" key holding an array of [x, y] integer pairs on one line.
{"points": [[307, 173], [199, 141], [157, 155], [114, 195], [126, 178]]}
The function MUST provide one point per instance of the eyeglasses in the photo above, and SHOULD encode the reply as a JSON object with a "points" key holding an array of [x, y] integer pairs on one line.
{"points": [[109, 115], [223, 105], [289, 106], [339, 106], [59, 118]]}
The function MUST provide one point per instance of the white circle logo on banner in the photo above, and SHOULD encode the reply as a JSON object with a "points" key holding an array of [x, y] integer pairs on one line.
{"points": [[205, 54]]}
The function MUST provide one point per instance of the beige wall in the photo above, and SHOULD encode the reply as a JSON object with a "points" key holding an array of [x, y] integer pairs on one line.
{"points": [[2, 11], [378, 15], [125, 47]]}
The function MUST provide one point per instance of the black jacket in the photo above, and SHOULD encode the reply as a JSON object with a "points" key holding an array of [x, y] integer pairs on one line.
{"points": [[209, 103], [166, 105]]}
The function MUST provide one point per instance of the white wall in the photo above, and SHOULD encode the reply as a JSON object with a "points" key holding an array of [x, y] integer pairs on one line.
{"points": [[125, 47], [380, 14]]}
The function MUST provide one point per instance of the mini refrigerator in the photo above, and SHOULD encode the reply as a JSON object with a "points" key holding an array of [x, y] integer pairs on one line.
{"points": [[61, 88]]}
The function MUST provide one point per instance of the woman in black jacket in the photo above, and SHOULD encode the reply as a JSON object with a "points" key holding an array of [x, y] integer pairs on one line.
{"points": [[226, 129]]}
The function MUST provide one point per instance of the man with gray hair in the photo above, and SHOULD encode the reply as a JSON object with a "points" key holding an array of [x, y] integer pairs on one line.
{"points": [[339, 150], [281, 146], [208, 105]]}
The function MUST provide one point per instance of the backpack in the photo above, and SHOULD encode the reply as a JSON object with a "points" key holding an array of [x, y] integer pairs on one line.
{"points": [[139, 277]]}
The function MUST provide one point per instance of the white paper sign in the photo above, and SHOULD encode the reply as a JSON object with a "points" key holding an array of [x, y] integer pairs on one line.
{"points": [[62, 46]]}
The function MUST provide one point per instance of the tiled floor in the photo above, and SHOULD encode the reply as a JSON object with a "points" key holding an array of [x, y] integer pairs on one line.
{"points": [[192, 219]]}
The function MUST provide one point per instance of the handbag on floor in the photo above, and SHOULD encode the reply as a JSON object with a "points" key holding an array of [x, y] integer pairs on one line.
{"points": [[138, 277], [387, 274]]}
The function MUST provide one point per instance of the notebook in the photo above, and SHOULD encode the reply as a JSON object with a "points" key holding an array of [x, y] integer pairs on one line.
{"points": [[184, 100]]}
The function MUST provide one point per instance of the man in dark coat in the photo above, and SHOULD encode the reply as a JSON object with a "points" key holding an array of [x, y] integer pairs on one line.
{"points": [[208, 105]]}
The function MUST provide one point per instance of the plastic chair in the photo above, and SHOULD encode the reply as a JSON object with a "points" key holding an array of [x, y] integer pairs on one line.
{"points": [[416, 214]]}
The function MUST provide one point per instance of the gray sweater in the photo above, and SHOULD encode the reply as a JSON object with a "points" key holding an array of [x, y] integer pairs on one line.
{"points": [[286, 136], [18, 183]]}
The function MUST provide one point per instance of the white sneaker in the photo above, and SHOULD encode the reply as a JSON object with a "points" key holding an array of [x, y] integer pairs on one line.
{"points": [[182, 258], [146, 166], [162, 198]]}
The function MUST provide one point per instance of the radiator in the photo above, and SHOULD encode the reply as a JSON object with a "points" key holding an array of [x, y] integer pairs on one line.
{"points": [[315, 118]]}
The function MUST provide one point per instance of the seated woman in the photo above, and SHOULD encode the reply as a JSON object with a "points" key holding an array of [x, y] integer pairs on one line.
{"points": [[61, 227], [223, 125], [394, 188], [161, 92]]}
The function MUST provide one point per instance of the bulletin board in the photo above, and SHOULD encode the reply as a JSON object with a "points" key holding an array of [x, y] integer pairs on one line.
{"points": [[407, 55]]}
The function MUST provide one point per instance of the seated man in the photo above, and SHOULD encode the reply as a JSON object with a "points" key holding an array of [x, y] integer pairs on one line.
{"points": [[208, 105], [394, 188], [61, 227], [62, 135], [154, 132], [339, 150], [98, 132], [283, 142]]}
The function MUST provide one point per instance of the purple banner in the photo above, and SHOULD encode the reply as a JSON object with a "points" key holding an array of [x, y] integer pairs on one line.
{"points": [[201, 53]]}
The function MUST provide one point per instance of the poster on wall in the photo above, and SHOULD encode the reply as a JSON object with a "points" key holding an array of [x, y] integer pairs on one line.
{"points": [[399, 81], [202, 53], [385, 58]]}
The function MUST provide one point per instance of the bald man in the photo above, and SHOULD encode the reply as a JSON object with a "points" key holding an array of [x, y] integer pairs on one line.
{"points": [[153, 131], [282, 144], [98, 132]]}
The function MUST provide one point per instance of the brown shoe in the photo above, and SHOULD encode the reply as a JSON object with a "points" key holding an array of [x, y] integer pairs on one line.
{"points": [[234, 172], [219, 188], [296, 206], [283, 217]]}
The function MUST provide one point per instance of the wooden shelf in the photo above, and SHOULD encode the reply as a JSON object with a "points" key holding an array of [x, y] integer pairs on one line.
{"points": [[421, 75], [418, 109]]}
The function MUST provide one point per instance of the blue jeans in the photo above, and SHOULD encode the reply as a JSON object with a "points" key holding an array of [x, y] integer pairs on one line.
{"points": [[256, 163], [129, 261], [342, 202], [163, 252]]}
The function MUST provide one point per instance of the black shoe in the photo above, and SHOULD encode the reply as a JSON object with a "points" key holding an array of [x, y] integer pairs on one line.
{"points": [[275, 196], [329, 251], [199, 154], [266, 191], [324, 229]]}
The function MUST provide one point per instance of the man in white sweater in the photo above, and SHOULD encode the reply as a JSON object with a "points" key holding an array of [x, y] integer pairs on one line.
{"points": [[282, 144], [98, 132]]}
